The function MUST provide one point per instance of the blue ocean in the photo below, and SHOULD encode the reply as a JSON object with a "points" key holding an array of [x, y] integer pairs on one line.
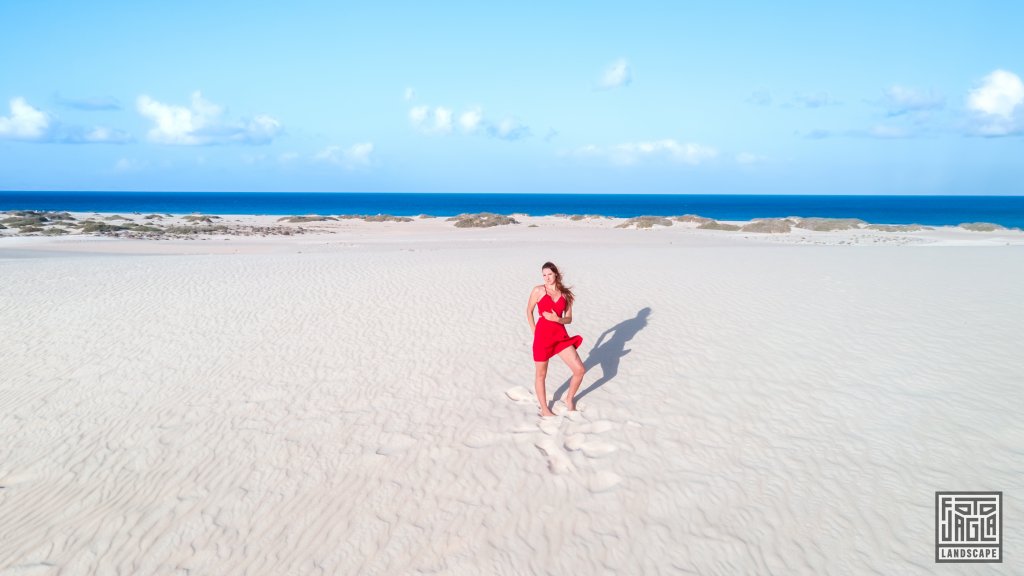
{"points": [[930, 210]]}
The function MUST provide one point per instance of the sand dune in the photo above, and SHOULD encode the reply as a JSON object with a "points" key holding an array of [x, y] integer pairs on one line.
{"points": [[361, 403]]}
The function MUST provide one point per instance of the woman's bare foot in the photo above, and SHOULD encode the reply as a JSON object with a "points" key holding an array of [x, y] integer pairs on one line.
{"points": [[570, 404], [547, 414]]}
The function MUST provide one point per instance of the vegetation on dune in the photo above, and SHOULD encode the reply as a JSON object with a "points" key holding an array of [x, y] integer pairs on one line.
{"points": [[829, 224], [692, 218], [981, 226], [897, 227], [646, 222], [716, 225], [768, 226], [481, 220], [307, 218], [199, 218]]}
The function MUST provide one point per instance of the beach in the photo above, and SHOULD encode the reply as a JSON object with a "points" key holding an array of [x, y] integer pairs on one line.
{"points": [[357, 398]]}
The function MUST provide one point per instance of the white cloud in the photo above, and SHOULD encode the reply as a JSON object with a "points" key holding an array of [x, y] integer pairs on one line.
{"points": [[418, 115], [25, 122], [470, 119], [359, 154], [102, 134], [508, 129], [355, 156], [902, 100], [203, 123], [442, 119], [998, 104], [632, 152], [1000, 93], [616, 74], [438, 120]]}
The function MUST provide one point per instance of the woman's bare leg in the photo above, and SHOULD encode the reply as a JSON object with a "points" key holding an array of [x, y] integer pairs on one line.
{"points": [[572, 359], [538, 384]]}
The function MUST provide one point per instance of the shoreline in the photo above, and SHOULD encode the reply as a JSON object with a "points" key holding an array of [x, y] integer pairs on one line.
{"points": [[930, 210], [28, 232]]}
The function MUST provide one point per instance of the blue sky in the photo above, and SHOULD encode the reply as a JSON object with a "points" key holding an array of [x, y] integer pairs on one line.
{"points": [[656, 97]]}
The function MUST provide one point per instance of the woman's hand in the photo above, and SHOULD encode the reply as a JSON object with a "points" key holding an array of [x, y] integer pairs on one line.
{"points": [[551, 316]]}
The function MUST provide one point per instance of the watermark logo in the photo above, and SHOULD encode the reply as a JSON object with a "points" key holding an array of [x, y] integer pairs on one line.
{"points": [[968, 527]]}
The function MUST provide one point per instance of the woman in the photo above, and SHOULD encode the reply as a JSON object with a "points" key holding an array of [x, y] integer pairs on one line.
{"points": [[554, 301]]}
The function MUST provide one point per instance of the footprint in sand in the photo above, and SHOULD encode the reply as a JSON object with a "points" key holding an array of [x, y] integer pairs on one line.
{"points": [[597, 449], [480, 439], [396, 443], [574, 441], [603, 481], [575, 416], [558, 461], [598, 427], [518, 394], [524, 427], [549, 426]]}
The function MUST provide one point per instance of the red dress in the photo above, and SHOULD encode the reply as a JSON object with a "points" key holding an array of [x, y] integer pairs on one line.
{"points": [[550, 338]]}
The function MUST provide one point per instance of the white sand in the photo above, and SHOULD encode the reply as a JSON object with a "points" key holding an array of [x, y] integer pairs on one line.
{"points": [[361, 402]]}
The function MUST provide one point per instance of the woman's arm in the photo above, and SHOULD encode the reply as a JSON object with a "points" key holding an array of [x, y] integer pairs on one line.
{"points": [[567, 317], [529, 309]]}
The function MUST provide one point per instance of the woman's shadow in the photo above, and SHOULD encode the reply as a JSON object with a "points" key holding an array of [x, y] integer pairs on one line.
{"points": [[607, 353]]}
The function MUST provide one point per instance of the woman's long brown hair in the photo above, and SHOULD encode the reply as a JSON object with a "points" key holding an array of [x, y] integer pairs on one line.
{"points": [[566, 292]]}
